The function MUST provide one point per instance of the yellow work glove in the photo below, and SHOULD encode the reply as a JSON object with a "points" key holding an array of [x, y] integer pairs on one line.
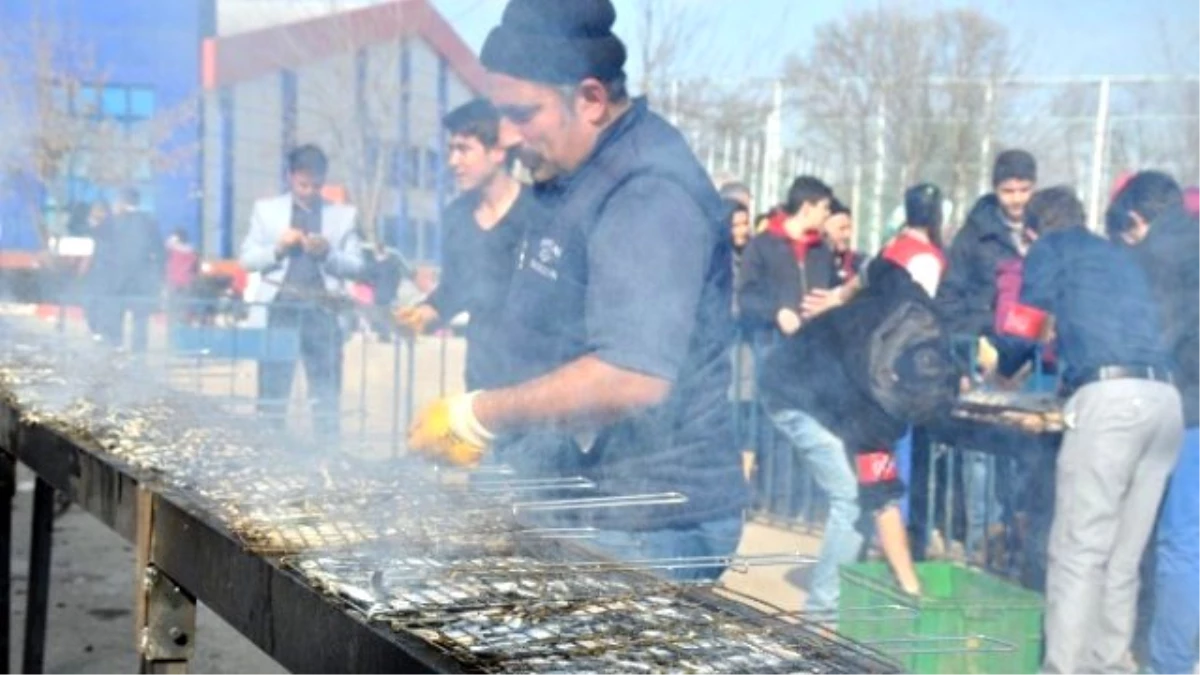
{"points": [[415, 319], [987, 356], [447, 430]]}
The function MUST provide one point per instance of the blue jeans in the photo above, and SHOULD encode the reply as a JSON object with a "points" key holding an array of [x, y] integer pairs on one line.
{"points": [[714, 538], [1176, 621], [981, 502], [825, 455], [903, 458]]}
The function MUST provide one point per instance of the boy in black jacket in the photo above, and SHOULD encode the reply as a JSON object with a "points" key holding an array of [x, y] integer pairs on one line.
{"points": [[843, 390]]}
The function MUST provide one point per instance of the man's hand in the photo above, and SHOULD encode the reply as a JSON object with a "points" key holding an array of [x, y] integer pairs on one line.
{"points": [[819, 301], [290, 239], [788, 321], [316, 246], [416, 319], [447, 430]]}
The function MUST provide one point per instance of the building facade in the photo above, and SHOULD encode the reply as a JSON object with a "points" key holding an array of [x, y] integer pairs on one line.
{"points": [[369, 85], [124, 60], [367, 80]]}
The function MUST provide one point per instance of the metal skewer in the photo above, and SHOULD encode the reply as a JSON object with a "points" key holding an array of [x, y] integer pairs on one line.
{"points": [[736, 563], [533, 484], [584, 503]]}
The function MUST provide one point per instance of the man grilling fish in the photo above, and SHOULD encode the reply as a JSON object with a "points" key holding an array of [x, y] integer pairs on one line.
{"points": [[616, 327]]}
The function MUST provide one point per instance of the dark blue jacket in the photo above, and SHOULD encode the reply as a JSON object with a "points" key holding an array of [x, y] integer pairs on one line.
{"points": [[967, 294], [1170, 255], [633, 265], [1104, 311]]}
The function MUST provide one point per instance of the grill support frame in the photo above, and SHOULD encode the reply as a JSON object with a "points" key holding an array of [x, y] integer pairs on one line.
{"points": [[273, 607]]}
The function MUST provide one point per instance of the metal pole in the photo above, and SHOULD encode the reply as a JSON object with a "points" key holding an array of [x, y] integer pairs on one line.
{"points": [[741, 161], [674, 115], [756, 172], [396, 387], [1099, 148], [8, 488], [34, 656], [856, 200], [880, 159], [772, 142], [985, 144]]}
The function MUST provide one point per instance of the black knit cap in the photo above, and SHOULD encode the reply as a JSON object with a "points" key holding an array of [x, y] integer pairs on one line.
{"points": [[556, 42]]}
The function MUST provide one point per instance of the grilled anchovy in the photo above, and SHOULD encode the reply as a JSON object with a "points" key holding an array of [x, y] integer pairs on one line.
{"points": [[394, 542]]}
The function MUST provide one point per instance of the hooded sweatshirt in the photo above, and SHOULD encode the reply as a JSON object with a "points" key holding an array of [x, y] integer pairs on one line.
{"points": [[777, 271]]}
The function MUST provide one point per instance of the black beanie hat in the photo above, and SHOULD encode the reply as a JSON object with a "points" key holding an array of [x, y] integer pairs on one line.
{"points": [[556, 42]]}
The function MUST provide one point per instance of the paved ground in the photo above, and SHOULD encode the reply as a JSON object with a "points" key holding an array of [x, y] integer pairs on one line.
{"points": [[90, 626], [90, 623]]}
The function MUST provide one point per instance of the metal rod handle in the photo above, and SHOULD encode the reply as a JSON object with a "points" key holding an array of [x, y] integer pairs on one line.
{"points": [[971, 643], [583, 503]]}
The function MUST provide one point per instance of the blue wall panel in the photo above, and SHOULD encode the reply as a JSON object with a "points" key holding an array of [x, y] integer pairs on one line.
{"points": [[151, 45]]}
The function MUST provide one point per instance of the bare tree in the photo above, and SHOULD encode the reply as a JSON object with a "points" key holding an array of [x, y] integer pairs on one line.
{"points": [[351, 105], [1182, 99], [920, 78], [53, 131]]}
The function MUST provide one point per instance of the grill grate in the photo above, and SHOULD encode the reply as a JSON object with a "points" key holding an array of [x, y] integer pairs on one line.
{"points": [[405, 546], [524, 615]]}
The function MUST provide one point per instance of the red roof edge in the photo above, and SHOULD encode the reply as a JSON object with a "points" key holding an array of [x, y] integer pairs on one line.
{"points": [[246, 56]]}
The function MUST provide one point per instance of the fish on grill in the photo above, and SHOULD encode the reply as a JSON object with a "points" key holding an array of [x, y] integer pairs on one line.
{"points": [[1029, 412], [395, 542]]}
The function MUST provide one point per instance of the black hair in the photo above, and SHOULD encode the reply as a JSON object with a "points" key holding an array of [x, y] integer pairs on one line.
{"points": [[1055, 208], [477, 119], [308, 159], [805, 190], [181, 234], [1011, 164], [923, 206], [1148, 194], [131, 196], [734, 206], [837, 207]]}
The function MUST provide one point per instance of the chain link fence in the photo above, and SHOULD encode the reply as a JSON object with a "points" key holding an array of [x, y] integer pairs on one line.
{"points": [[1085, 132]]}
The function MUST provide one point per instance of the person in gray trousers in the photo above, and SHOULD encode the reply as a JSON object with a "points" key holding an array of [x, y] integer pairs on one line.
{"points": [[1124, 427]]}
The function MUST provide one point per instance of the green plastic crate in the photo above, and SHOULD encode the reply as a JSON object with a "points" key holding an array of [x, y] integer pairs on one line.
{"points": [[965, 621]]}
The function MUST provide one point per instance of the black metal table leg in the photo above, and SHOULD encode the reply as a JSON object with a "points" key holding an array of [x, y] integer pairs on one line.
{"points": [[8, 488], [33, 657]]}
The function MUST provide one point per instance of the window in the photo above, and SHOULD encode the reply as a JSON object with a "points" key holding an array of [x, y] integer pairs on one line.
{"points": [[141, 103], [86, 102], [433, 167], [130, 107], [115, 103], [413, 170]]}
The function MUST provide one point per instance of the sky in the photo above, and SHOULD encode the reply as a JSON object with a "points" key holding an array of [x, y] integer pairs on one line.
{"points": [[1063, 38]]}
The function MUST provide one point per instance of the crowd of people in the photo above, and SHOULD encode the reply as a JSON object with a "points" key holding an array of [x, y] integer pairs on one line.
{"points": [[1120, 324]]}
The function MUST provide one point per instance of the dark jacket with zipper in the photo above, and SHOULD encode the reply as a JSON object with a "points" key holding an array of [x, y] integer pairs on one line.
{"points": [[967, 294], [558, 310], [1170, 255], [771, 279]]}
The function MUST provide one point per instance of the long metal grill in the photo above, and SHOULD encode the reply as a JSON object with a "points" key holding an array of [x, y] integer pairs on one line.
{"points": [[423, 552], [523, 614]]}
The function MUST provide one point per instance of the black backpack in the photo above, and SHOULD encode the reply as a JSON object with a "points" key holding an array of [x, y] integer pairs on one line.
{"points": [[905, 363]]}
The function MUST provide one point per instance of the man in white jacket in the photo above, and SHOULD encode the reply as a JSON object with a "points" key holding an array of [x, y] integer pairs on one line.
{"points": [[304, 251]]}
